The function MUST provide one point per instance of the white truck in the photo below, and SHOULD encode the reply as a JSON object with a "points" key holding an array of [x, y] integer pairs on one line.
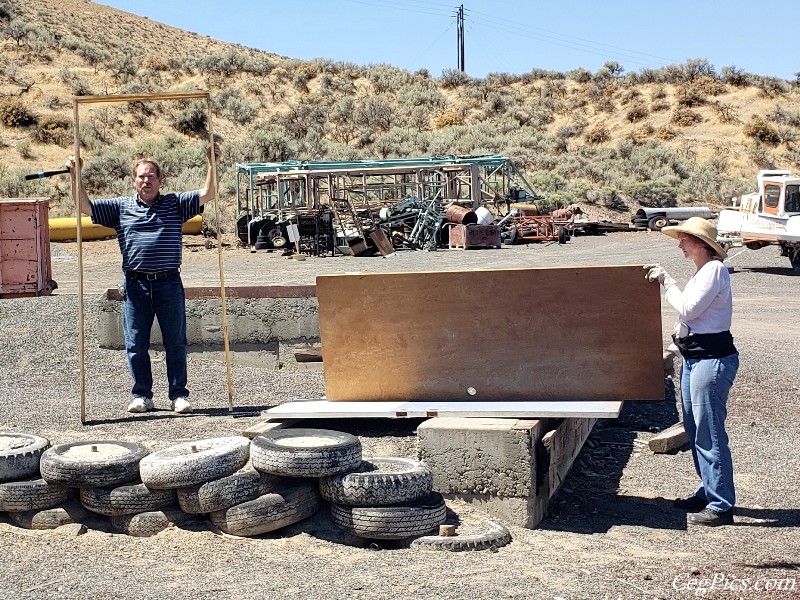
{"points": [[768, 217]]}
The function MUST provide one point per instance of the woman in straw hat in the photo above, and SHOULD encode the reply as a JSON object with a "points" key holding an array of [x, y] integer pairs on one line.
{"points": [[710, 362]]}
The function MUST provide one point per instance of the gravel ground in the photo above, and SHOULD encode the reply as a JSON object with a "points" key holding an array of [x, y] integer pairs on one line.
{"points": [[611, 531]]}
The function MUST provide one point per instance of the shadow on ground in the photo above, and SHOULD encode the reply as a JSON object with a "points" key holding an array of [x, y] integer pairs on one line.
{"points": [[591, 499]]}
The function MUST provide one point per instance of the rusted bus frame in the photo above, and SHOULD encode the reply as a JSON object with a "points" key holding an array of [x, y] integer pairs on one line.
{"points": [[77, 101], [451, 169]]}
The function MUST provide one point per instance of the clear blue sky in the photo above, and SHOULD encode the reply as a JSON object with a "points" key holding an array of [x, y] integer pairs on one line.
{"points": [[511, 36]]}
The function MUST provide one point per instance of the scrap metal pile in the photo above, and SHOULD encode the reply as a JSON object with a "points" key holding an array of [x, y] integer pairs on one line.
{"points": [[378, 207]]}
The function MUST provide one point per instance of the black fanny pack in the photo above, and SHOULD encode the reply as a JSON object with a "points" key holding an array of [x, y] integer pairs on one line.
{"points": [[706, 345]]}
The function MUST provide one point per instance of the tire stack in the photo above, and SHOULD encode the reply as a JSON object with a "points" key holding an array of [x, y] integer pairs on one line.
{"points": [[32, 502], [245, 488], [104, 473], [289, 462], [385, 498]]}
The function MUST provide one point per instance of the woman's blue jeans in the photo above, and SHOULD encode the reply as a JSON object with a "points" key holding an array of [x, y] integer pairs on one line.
{"points": [[705, 384], [165, 300]]}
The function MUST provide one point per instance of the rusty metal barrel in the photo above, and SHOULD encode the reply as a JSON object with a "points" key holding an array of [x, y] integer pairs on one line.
{"points": [[460, 214]]}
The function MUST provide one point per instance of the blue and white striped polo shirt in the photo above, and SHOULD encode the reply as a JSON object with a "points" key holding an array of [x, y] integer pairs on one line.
{"points": [[149, 236]]}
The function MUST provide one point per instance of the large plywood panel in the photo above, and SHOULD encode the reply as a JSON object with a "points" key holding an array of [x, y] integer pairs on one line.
{"points": [[574, 333]]}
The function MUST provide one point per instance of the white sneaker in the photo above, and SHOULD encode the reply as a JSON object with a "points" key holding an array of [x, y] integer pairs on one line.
{"points": [[181, 406], [140, 404]]}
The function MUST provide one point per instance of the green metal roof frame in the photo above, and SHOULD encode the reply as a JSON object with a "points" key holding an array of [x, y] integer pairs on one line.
{"points": [[485, 160], [493, 162]]}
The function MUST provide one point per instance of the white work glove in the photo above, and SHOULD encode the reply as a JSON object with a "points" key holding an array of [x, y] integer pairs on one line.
{"points": [[657, 273]]}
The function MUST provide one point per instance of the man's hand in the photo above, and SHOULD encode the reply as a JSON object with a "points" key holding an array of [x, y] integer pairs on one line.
{"points": [[657, 273], [83, 202], [209, 191], [70, 164], [217, 153]]}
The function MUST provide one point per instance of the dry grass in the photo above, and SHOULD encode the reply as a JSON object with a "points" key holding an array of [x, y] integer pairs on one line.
{"points": [[45, 80]]}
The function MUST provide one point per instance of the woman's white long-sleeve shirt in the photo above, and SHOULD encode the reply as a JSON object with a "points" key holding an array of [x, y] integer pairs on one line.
{"points": [[706, 303]]}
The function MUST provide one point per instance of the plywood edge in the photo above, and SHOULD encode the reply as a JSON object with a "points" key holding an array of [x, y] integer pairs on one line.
{"points": [[542, 268]]}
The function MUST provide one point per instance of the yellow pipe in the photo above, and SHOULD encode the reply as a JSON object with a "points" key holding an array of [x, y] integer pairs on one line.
{"points": [[65, 228]]}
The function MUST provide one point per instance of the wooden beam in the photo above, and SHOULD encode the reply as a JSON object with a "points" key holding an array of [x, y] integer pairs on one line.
{"points": [[322, 409], [308, 354], [668, 440], [141, 97]]}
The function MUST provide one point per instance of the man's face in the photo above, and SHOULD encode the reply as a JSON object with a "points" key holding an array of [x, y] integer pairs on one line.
{"points": [[147, 182]]}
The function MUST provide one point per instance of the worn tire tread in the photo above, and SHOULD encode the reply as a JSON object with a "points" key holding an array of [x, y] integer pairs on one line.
{"points": [[284, 506], [391, 522], [146, 524], [126, 499], [56, 467], [33, 494], [179, 466], [220, 494], [50, 518], [379, 481], [496, 536], [295, 461], [22, 462]]}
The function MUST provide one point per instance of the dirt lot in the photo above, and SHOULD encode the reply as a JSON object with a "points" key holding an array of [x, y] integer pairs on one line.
{"points": [[611, 531]]}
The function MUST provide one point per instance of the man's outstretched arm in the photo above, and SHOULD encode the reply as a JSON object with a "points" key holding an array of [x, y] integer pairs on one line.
{"points": [[209, 192]]}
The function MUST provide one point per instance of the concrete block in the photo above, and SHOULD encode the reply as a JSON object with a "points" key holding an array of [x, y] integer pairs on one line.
{"points": [[508, 467], [270, 314], [484, 456], [487, 462]]}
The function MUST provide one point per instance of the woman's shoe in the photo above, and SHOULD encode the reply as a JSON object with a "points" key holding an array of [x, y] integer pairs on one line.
{"points": [[711, 518]]}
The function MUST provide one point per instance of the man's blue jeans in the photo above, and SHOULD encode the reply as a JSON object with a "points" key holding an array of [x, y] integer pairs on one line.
{"points": [[705, 384], [144, 301]]}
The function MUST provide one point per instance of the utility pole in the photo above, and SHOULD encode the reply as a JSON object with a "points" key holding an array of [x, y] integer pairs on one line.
{"points": [[460, 30]]}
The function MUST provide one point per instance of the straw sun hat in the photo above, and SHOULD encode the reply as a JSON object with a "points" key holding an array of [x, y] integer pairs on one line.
{"points": [[701, 229]]}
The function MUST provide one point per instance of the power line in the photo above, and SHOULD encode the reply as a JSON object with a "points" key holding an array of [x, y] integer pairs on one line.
{"points": [[433, 10], [433, 43], [490, 48], [569, 41]]}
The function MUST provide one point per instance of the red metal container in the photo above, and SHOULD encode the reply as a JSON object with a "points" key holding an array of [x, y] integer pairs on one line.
{"points": [[25, 248], [475, 236]]}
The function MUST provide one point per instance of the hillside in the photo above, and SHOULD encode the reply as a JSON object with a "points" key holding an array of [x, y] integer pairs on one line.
{"points": [[612, 139]]}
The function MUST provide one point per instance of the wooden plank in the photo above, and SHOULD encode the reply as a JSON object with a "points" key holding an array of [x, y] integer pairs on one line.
{"points": [[668, 440], [578, 333], [381, 242], [322, 409], [563, 445], [141, 97], [306, 354]]}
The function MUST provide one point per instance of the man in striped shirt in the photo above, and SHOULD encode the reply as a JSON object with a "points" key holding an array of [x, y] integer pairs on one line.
{"points": [[149, 231]]}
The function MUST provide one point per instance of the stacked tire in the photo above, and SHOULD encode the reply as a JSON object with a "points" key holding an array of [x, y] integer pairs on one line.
{"points": [[104, 474], [385, 498], [289, 462], [29, 500], [188, 471]]}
